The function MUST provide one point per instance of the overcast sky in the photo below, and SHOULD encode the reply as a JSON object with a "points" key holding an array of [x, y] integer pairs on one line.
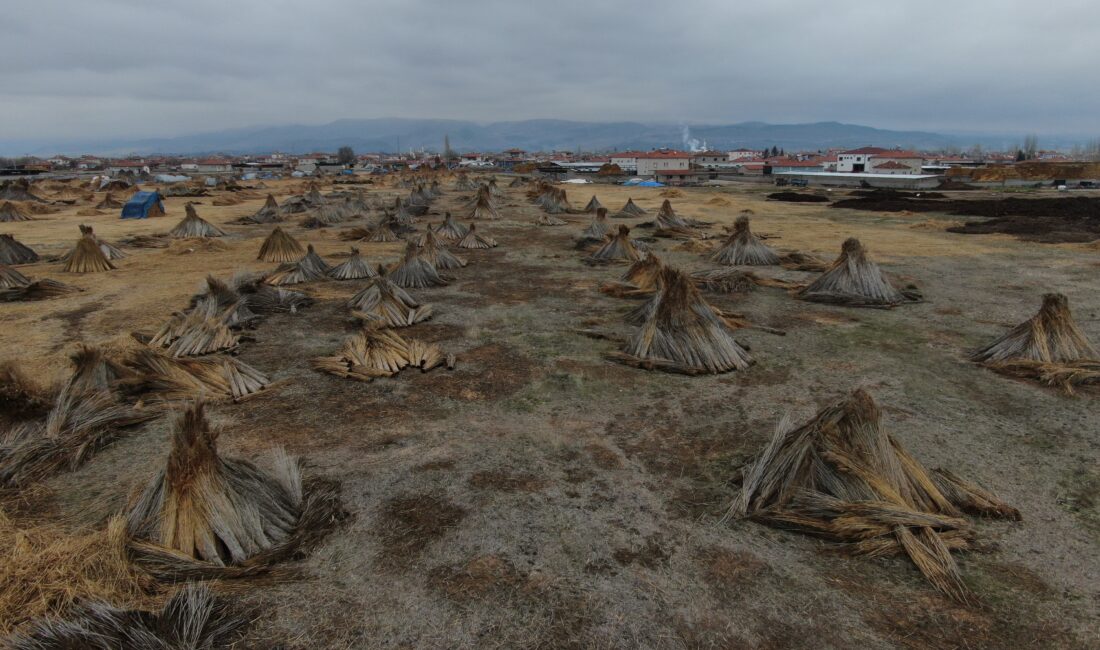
{"points": [[73, 68]]}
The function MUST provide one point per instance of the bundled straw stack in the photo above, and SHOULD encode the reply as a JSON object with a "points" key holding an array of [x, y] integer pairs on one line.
{"points": [[843, 477], [855, 281]]}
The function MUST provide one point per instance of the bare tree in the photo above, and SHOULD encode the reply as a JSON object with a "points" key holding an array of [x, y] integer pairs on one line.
{"points": [[345, 155]]}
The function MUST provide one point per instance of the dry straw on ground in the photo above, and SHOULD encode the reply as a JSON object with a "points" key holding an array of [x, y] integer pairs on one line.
{"points": [[385, 303], [208, 516], [194, 226], [742, 247], [280, 247], [630, 210], [475, 240], [192, 619], [618, 248], [843, 477], [353, 268], [414, 271], [680, 332], [375, 352], [13, 252], [855, 281], [1048, 347]]}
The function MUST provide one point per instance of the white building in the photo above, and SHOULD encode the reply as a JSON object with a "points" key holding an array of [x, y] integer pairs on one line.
{"points": [[740, 154], [650, 162], [626, 160], [856, 160]]}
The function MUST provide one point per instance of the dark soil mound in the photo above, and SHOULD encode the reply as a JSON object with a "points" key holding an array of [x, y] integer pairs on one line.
{"points": [[1051, 220], [798, 197], [886, 193]]}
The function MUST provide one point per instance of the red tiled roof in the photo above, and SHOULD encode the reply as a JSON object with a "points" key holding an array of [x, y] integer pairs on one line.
{"points": [[793, 163], [904, 155], [659, 155], [866, 150], [891, 164]]}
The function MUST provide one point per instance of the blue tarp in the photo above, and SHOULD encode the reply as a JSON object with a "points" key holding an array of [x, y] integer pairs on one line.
{"points": [[650, 184], [140, 204]]}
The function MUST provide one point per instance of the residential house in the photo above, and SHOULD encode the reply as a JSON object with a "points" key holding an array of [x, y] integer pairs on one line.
{"points": [[650, 162], [740, 154]]}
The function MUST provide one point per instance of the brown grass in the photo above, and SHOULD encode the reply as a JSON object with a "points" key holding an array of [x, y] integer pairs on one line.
{"points": [[409, 524]]}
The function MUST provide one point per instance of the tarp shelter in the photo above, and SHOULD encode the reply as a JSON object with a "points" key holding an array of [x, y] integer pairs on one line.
{"points": [[650, 184], [143, 205]]}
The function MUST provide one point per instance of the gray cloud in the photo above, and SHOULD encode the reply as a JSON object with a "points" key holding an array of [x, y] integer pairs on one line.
{"points": [[131, 67]]}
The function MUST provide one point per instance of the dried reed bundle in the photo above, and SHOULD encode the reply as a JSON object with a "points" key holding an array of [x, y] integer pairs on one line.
{"points": [[463, 183], [803, 262], [192, 618], [680, 332], [269, 213], [194, 226], [729, 280], [280, 247], [668, 219], [353, 268], [87, 256], [10, 212], [1048, 347], [376, 352], [483, 208], [109, 202], [197, 332], [208, 378], [450, 230], [387, 304], [549, 220], [80, 423], [599, 228], [14, 252], [640, 280], [414, 271], [18, 190], [855, 281], [204, 516], [630, 210], [20, 395], [472, 239], [94, 370], [436, 252], [843, 477], [617, 248], [593, 205], [744, 248], [43, 289], [11, 279]]}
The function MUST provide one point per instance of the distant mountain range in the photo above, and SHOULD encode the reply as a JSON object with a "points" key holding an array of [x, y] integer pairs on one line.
{"points": [[395, 134]]}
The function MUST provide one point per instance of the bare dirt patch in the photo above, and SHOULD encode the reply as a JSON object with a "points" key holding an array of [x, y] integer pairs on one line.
{"points": [[410, 523]]}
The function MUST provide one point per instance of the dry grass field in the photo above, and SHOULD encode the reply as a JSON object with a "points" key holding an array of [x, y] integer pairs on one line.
{"points": [[539, 495]]}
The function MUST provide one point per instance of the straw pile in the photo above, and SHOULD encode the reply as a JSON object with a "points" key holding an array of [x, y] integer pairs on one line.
{"points": [[81, 422], [353, 268], [437, 254], [414, 271], [855, 281], [198, 332], [280, 247], [14, 252], [484, 207], [109, 202], [194, 226], [474, 240], [18, 190], [640, 280], [209, 378], [744, 248], [619, 247], [843, 477], [450, 230], [599, 228], [208, 516], [192, 618], [87, 256], [376, 352], [593, 204], [729, 280], [269, 213], [12, 279], [10, 212], [1048, 347], [681, 333], [43, 289], [630, 210], [386, 304]]}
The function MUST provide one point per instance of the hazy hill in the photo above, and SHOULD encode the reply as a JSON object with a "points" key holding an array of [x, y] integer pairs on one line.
{"points": [[394, 134]]}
